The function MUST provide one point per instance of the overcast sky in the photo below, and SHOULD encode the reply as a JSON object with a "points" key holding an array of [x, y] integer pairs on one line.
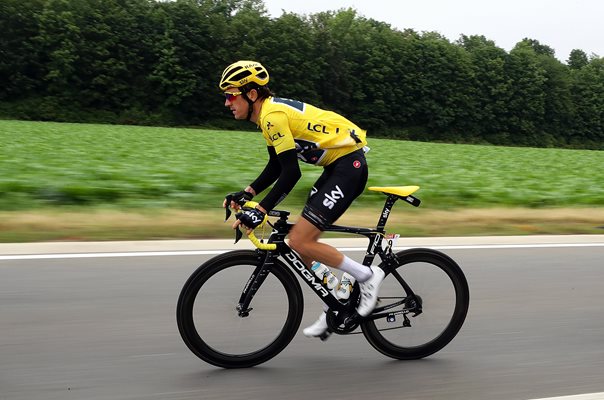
{"points": [[563, 25]]}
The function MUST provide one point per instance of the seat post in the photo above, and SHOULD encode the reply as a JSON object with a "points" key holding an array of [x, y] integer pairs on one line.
{"points": [[388, 204]]}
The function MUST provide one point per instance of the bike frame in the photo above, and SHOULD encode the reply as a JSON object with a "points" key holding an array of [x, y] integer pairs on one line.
{"points": [[375, 236]]}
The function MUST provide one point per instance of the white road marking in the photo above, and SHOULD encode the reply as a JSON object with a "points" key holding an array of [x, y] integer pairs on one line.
{"points": [[587, 396], [215, 252], [105, 255]]}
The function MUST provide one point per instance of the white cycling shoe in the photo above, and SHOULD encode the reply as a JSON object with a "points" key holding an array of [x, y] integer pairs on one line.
{"points": [[319, 328], [369, 292]]}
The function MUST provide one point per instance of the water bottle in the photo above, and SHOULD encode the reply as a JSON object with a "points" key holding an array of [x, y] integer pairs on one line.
{"points": [[346, 284], [325, 274]]}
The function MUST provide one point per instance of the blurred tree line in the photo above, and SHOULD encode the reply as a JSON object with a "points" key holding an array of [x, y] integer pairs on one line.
{"points": [[157, 62]]}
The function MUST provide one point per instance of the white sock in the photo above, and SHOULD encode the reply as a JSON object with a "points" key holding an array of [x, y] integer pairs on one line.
{"points": [[360, 272]]}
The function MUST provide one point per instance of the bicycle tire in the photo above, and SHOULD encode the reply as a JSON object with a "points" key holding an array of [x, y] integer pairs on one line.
{"points": [[190, 302], [415, 262]]}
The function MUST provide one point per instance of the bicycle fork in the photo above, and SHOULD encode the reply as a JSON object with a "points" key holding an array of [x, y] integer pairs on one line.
{"points": [[253, 284]]}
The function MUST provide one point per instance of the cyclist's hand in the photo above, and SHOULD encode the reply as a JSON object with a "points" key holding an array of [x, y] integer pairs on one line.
{"points": [[250, 219], [236, 199]]}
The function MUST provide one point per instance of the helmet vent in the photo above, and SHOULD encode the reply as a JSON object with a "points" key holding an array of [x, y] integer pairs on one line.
{"points": [[240, 75]]}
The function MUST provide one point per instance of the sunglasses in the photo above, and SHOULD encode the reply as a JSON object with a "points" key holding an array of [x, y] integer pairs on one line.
{"points": [[230, 96]]}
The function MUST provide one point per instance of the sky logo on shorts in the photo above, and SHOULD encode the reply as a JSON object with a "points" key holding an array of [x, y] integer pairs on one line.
{"points": [[332, 198]]}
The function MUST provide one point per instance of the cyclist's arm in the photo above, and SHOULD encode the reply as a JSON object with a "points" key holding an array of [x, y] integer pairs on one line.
{"points": [[280, 140], [288, 177]]}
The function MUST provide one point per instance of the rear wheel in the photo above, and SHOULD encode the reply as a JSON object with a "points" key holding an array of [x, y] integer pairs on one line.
{"points": [[211, 326], [428, 316]]}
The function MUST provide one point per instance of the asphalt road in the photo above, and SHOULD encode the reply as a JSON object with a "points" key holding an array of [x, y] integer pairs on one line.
{"points": [[104, 328]]}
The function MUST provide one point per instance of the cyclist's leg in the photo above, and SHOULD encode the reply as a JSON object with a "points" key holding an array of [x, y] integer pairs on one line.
{"points": [[306, 233], [333, 193]]}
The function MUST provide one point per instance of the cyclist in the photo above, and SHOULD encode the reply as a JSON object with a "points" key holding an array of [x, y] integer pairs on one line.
{"points": [[295, 130]]}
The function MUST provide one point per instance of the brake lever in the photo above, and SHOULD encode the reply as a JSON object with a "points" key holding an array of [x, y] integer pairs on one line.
{"points": [[238, 235], [228, 200]]}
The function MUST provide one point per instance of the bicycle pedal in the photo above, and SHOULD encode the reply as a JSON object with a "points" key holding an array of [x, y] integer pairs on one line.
{"points": [[325, 336]]}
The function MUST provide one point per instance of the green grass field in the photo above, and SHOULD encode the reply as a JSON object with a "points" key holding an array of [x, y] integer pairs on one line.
{"points": [[78, 167], [54, 164]]}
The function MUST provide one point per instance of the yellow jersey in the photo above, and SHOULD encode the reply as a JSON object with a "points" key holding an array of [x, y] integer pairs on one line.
{"points": [[319, 136]]}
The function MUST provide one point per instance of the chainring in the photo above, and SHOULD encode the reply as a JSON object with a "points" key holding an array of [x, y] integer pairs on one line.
{"points": [[335, 323]]}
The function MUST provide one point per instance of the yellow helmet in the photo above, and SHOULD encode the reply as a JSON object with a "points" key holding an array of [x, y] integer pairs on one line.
{"points": [[242, 73]]}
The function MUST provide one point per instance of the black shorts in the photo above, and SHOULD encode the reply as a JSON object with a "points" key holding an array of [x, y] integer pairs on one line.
{"points": [[340, 183]]}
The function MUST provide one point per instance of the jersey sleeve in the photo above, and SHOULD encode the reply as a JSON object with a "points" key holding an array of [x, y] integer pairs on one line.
{"points": [[270, 173], [277, 133], [290, 174]]}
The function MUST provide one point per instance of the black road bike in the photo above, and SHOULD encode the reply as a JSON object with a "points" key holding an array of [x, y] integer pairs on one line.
{"points": [[243, 307]]}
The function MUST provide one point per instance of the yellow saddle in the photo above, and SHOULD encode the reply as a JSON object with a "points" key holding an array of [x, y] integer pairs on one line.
{"points": [[396, 190]]}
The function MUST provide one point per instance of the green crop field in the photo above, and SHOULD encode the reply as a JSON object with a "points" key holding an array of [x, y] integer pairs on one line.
{"points": [[58, 167], [52, 164]]}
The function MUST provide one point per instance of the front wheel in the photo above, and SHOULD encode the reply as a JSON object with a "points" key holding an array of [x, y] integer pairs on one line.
{"points": [[210, 324], [430, 298]]}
